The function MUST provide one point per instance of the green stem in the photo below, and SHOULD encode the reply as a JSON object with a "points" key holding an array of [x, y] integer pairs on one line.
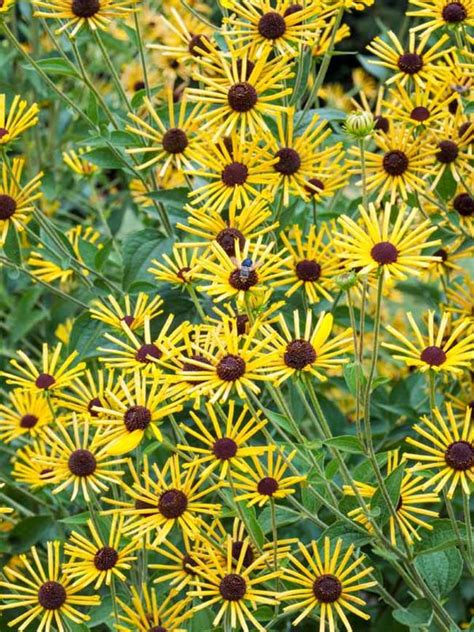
{"points": [[112, 70], [196, 301]]}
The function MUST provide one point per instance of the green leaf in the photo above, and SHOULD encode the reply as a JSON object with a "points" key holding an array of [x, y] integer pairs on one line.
{"points": [[348, 535], [353, 372], [105, 158], [393, 483], [80, 518], [279, 420], [85, 336], [172, 198], [253, 525], [102, 613], [12, 246], [446, 187], [284, 517], [138, 251], [29, 531], [441, 570], [469, 108], [418, 614], [56, 66], [345, 443], [443, 536]]}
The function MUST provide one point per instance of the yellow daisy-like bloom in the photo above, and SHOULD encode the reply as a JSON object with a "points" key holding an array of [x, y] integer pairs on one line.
{"points": [[452, 353], [16, 119], [88, 391], [310, 350], [375, 246], [414, 62], [327, 583], [241, 91], [133, 80], [170, 145], [284, 26], [239, 173], [459, 297], [191, 38], [99, 560], [47, 594], [95, 14], [449, 450], [155, 504], [53, 375], [453, 150], [297, 155], [26, 415], [452, 259], [145, 353], [399, 165], [146, 613], [313, 264], [6, 5], [419, 106], [51, 271], [325, 35], [133, 311], [230, 365], [247, 224], [233, 587], [437, 14], [178, 566], [28, 468], [246, 274], [140, 404], [178, 269], [261, 484], [16, 201], [80, 459], [77, 162], [220, 448], [409, 508]]}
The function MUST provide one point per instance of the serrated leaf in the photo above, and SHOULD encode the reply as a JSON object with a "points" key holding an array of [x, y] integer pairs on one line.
{"points": [[138, 251], [417, 615], [253, 525], [85, 336], [441, 570], [345, 443], [442, 536]]}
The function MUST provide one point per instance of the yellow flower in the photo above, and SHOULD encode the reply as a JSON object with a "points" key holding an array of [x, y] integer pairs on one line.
{"points": [[132, 311], [180, 269], [452, 354], [309, 350], [26, 416], [77, 162], [374, 245], [327, 583], [28, 467], [16, 201], [436, 14], [45, 592], [95, 14], [448, 449], [86, 392], [16, 119]]}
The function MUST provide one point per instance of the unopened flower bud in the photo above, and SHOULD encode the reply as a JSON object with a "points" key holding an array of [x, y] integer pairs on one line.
{"points": [[347, 280], [359, 124]]}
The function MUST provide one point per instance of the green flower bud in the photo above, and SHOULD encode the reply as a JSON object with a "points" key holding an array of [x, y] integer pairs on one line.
{"points": [[359, 124]]}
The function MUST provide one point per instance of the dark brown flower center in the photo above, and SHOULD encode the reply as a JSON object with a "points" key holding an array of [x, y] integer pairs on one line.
{"points": [[182, 273], [434, 356], [105, 558], [234, 174], [128, 320], [28, 421], [145, 352], [272, 25], [158, 628], [454, 12], [420, 114], [175, 141], [382, 123], [85, 8], [289, 161], [52, 595], [143, 505], [299, 353], [82, 463], [198, 45], [189, 564], [384, 253], [227, 238], [137, 418], [237, 547], [3, 132], [410, 63], [314, 186], [190, 366], [224, 448], [231, 368], [292, 9], [442, 254], [7, 206], [447, 152], [308, 270], [327, 588], [45, 380], [242, 322], [267, 486], [173, 503], [464, 204], [240, 282], [460, 456], [464, 128], [91, 405], [138, 85], [242, 97], [395, 162], [233, 587]]}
